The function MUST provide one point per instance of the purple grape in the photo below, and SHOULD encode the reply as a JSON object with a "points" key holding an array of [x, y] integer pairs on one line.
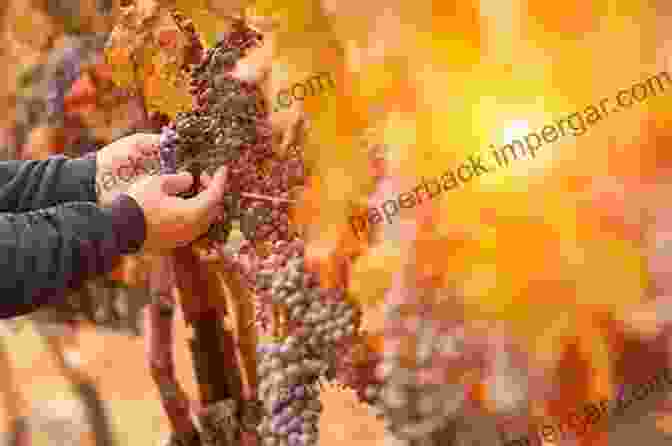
{"points": [[299, 392], [55, 102], [286, 415], [168, 135], [71, 64], [283, 430], [167, 160], [293, 439], [278, 406], [167, 151], [282, 417], [294, 424], [164, 140], [289, 412], [275, 425]]}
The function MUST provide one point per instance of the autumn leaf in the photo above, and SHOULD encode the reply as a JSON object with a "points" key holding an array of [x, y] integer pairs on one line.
{"points": [[212, 17], [82, 97], [150, 51]]}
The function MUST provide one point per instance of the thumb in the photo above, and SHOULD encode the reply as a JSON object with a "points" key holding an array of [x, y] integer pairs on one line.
{"points": [[147, 143], [176, 183], [214, 193]]}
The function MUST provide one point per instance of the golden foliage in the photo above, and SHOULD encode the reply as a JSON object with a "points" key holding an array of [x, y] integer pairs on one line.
{"points": [[148, 51], [211, 17]]}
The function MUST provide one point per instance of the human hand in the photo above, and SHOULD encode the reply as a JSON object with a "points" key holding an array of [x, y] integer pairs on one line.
{"points": [[125, 161], [171, 221], [128, 152]]}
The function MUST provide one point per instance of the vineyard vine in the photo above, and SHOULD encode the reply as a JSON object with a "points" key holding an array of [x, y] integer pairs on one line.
{"points": [[289, 332]]}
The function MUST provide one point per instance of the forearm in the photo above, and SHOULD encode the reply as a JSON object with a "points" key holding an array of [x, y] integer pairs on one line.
{"points": [[45, 252], [31, 185]]}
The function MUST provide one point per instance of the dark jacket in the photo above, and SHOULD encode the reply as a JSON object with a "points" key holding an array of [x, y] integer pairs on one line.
{"points": [[53, 236]]}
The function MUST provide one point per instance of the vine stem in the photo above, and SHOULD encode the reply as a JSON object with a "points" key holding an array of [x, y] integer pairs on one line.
{"points": [[206, 301], [158, 320], [236, 347], [239, 301]]}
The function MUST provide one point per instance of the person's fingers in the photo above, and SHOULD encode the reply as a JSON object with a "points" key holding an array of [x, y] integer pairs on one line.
{"points": [[214, 193], [203, 204], [175, 184], [147, 143], [215, 212], [205, 179]]}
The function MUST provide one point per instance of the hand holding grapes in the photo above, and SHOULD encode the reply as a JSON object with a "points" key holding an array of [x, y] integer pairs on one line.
{"points": [[172, 221]]}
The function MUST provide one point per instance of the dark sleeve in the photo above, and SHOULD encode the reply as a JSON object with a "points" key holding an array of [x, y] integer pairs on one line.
{"points": [[31, 185], [45, 252]]}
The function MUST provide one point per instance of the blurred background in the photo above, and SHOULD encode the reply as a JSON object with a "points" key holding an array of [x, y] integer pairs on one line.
{"points": [[560, 264]]}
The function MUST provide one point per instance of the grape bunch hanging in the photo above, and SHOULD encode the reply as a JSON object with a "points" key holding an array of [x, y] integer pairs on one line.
{"points": [[311, 332]]}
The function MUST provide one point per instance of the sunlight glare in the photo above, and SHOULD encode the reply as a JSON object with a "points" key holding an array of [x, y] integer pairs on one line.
{"points": [[516, 129]]}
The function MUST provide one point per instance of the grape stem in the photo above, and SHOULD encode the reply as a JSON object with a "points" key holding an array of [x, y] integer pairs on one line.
{"points": [[266, 198]]}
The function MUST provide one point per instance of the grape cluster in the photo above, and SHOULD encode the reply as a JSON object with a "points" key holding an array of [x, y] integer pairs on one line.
{"points": [[229, 126], [259, 221], [416, 400], [326, 318], [326, 321], [288, 372], [321, 324]]}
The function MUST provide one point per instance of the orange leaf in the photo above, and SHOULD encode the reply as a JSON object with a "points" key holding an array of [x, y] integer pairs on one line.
{"points": [[82, 97], [168, 38]]}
